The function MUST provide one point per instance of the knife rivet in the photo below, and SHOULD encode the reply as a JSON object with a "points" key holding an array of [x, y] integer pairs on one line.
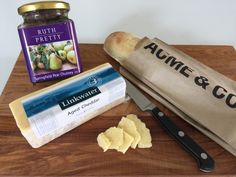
{"points": [[161, 114], [181, 133], [203, 155]]}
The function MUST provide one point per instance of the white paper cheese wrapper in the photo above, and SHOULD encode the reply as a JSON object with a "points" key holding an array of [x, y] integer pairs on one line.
{"points": [[47, 114], [197, 93]]}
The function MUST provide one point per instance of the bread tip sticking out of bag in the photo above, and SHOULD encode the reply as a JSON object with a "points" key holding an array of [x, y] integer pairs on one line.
{"points": [[119, 45]]}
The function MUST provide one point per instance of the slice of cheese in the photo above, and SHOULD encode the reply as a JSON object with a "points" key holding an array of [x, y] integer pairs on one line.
{"points": [[129, 127], [146, 139], [49, 113], [127, 141], [103, 142], [115, 135]]}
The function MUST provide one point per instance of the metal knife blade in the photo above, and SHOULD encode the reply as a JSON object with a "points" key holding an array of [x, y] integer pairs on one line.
{"points": [[205, 162], [143, 103]]}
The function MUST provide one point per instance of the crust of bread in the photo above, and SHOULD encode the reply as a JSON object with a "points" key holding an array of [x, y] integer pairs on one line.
{"points": [[119, 45]]}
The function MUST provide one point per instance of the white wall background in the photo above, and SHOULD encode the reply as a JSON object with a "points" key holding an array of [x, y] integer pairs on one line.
{"points": [[174, 21]]}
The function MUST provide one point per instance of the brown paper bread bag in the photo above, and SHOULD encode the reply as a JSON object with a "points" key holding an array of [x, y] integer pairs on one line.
{"points": [[198, 94]]}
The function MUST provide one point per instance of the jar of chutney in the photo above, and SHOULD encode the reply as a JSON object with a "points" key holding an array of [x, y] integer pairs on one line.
{"points": [[48, 41]]}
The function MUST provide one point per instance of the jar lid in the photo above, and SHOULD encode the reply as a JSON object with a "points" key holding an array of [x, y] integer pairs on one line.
{"points": [[43, 5]]}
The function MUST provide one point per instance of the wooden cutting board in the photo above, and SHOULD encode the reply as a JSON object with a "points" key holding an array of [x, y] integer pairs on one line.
{"points": [[77, 153]]}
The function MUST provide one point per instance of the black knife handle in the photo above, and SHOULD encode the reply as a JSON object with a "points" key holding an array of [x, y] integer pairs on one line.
{"points": [[205, 162]]}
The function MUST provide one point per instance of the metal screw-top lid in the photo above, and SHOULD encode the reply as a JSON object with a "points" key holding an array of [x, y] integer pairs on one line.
{"points": [[43, 5]]}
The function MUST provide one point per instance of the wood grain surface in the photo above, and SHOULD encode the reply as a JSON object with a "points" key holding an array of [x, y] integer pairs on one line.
{"points": [[77, 153]]}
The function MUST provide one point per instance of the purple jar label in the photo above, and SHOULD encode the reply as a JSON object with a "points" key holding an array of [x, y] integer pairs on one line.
{"points": [[50, 51]]}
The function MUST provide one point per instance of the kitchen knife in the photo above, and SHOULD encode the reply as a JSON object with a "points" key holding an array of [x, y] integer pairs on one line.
{"points": [[205, 162]]}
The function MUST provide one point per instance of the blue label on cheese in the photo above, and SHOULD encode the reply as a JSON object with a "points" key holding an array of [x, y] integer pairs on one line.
{"points": [[60, 94], [79, 97]]}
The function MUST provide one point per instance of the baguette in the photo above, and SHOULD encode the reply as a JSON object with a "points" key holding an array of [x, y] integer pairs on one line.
{"points": [[119, 45]]}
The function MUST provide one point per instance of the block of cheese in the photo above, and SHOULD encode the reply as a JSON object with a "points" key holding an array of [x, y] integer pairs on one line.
{"points": [[103, 142], [146, 139], [129, 127], [115, 136], [49, 113], [127, 141]]}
